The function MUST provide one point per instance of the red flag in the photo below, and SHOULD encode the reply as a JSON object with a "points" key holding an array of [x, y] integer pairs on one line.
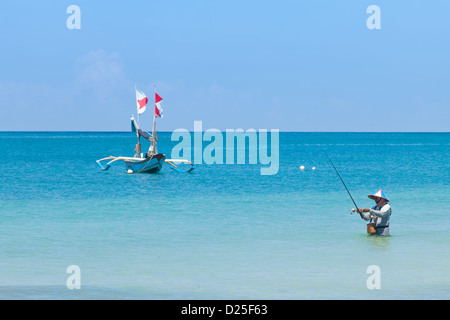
{"points": [[158, 108]]}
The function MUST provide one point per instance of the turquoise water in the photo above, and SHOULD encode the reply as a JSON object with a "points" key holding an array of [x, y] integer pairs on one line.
{"points": [[224, 231]]}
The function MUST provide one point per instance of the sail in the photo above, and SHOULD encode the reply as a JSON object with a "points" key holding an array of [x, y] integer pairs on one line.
{"points": [[144, 135]]}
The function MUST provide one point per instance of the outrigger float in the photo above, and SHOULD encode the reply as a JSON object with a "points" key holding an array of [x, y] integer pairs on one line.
{"points": [[152, 161]]}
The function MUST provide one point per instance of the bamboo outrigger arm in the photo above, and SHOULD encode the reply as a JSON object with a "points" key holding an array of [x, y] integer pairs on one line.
{"points": [[169, 161], [174, 167], [180, 160], [113, 159]]}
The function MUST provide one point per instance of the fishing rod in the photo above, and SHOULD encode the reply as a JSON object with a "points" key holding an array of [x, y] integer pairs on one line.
{"points": [[343, 183]]}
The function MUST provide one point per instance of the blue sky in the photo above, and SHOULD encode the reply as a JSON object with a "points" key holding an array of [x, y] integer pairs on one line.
{"points": [[287, 65]]}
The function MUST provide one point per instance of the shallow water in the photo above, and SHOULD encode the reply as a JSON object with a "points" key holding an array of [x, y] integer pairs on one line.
{"points": [[224, 231]]}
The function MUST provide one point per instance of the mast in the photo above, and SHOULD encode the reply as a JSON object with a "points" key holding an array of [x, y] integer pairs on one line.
{"points": [[154, 128], [137, 109], [137, 149]]}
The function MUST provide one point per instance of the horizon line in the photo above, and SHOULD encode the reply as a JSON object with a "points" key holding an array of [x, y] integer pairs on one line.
{"points": [[268, 130]]}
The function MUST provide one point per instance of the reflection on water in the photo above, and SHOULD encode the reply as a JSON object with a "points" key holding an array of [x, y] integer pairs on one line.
{"points": [[379, 241]]}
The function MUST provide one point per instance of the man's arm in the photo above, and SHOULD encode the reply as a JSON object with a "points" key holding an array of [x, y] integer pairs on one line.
{"points": [[364, 213], [382, 213]]}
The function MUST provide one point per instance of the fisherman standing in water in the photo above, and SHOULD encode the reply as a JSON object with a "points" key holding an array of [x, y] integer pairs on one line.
{"points": [[380, 213]]}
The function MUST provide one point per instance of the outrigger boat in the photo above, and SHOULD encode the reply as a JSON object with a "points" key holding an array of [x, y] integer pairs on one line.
{"points": [[152, 161]]}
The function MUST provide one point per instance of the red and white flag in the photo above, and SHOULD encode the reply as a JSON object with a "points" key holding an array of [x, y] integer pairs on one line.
{"points": [[158, 108], [141, 101]]}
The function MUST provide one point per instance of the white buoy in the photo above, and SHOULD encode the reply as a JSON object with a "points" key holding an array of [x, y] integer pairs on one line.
{"points": [[314, 168], [130, 171], [302, 168]]}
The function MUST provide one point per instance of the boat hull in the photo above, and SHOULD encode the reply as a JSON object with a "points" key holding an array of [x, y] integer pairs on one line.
{"points": [[147, 165]]}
